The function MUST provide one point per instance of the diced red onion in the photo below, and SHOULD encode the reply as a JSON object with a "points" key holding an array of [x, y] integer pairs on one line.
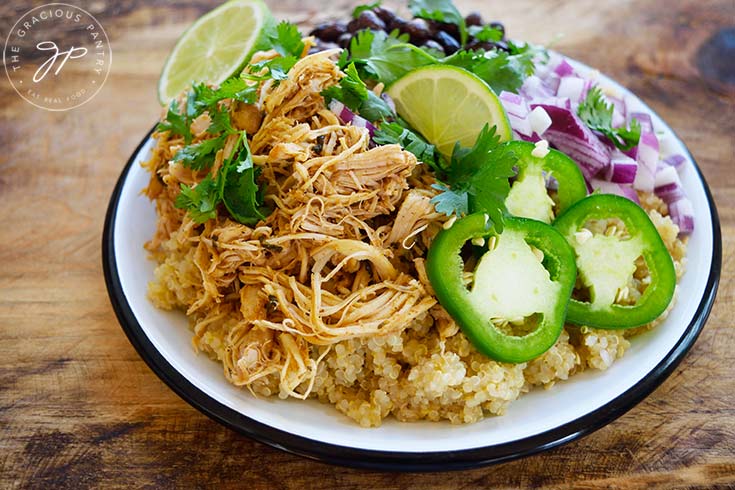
{"points": [[520, 125], [573, 88], [676, 161], [539, 120], [347, 117], [514, 104], [644, 119], [622, 169], [612, 188], [682, 214], [534, 87], [560, 102], [647, 158], [389, 100], [571, 136], [564, 69], [668, 185]]}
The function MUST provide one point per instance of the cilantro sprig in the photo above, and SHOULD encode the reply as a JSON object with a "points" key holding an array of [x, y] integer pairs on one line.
{"points": [[597, 113], [234, 186], [473, 180], [354, 94], [286, 40], [387, 57], [477, 179]]}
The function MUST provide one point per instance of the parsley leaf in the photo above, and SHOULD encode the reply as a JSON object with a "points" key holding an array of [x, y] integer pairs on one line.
{"points": [[396, 133], [176, 123], [201, 200], [386, 57], [242, 197], [201, 155], [442, 11], [362, 8], [354, 94], [597, 114]]}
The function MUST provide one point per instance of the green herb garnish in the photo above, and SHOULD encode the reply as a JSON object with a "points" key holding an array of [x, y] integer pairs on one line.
{"points": [[597, 113]]}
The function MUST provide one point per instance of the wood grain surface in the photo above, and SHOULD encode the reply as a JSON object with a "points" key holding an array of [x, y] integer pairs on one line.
{"points": [[79, 408]]}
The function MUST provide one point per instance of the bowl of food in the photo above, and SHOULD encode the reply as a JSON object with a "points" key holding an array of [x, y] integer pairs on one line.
{"points": [[406, 243]]}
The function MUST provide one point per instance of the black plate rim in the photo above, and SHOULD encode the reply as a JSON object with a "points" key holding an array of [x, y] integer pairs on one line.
{"points": [[389, 460]]}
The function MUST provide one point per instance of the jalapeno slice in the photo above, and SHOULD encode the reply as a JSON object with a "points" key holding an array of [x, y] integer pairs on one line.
{"points": [[527, 273], [606, 263]]}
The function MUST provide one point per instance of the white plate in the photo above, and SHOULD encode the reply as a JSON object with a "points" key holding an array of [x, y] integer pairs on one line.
{"points": [[538, 420]]}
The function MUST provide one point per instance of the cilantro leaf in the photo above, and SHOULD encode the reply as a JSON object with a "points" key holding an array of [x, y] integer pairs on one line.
{"points": [[500, 70], [277, 68], [442, 11], [221, 122], [486, 33], [466, 162], [478, 179], [232, 88], [354, 94], [450, 202], [176, 123], [597, 113], [242, 197], [200, 201], [201, 155], [285, 38], [386, 57], [490, 186], [362, 8], [396, 133]]}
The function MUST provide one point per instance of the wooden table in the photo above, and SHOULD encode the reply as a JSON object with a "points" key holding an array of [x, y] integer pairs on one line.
{"points": [[78, 407]]}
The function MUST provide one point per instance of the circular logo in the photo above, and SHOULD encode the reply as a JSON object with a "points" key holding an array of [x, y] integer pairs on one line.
{"points": [[57, 56]]}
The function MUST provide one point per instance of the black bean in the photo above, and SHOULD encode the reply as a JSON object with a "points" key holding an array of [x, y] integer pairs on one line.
{"points": [[449, 44], [431, 44], [484, 45], [502, 46], [369, 20], [397, 23], [498, 26], [385, 14], [451, 29], [418, 30], [344, 40], [329, 31], [352, 26], [474, 19]]}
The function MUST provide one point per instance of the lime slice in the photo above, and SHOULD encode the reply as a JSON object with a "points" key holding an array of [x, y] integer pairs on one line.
{"points": [[215, 47], [447, 105]]}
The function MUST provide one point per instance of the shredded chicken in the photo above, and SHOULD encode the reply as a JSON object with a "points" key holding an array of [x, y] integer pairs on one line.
{"points": [[327, 265]]}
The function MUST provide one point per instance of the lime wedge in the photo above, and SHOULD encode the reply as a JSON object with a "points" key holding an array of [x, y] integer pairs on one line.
{"points": [[447, 105], [215, 47]]}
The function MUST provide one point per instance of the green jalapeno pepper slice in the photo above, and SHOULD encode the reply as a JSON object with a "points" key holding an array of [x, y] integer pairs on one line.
{"points": [[528, 274], [528, 195], [606, 263]]}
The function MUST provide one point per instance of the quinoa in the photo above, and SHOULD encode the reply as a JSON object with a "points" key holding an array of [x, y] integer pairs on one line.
{"points": [[429, 370]]}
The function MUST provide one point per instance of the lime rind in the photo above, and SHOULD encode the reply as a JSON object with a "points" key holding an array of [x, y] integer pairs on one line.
{"points": [[231, 33]]}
